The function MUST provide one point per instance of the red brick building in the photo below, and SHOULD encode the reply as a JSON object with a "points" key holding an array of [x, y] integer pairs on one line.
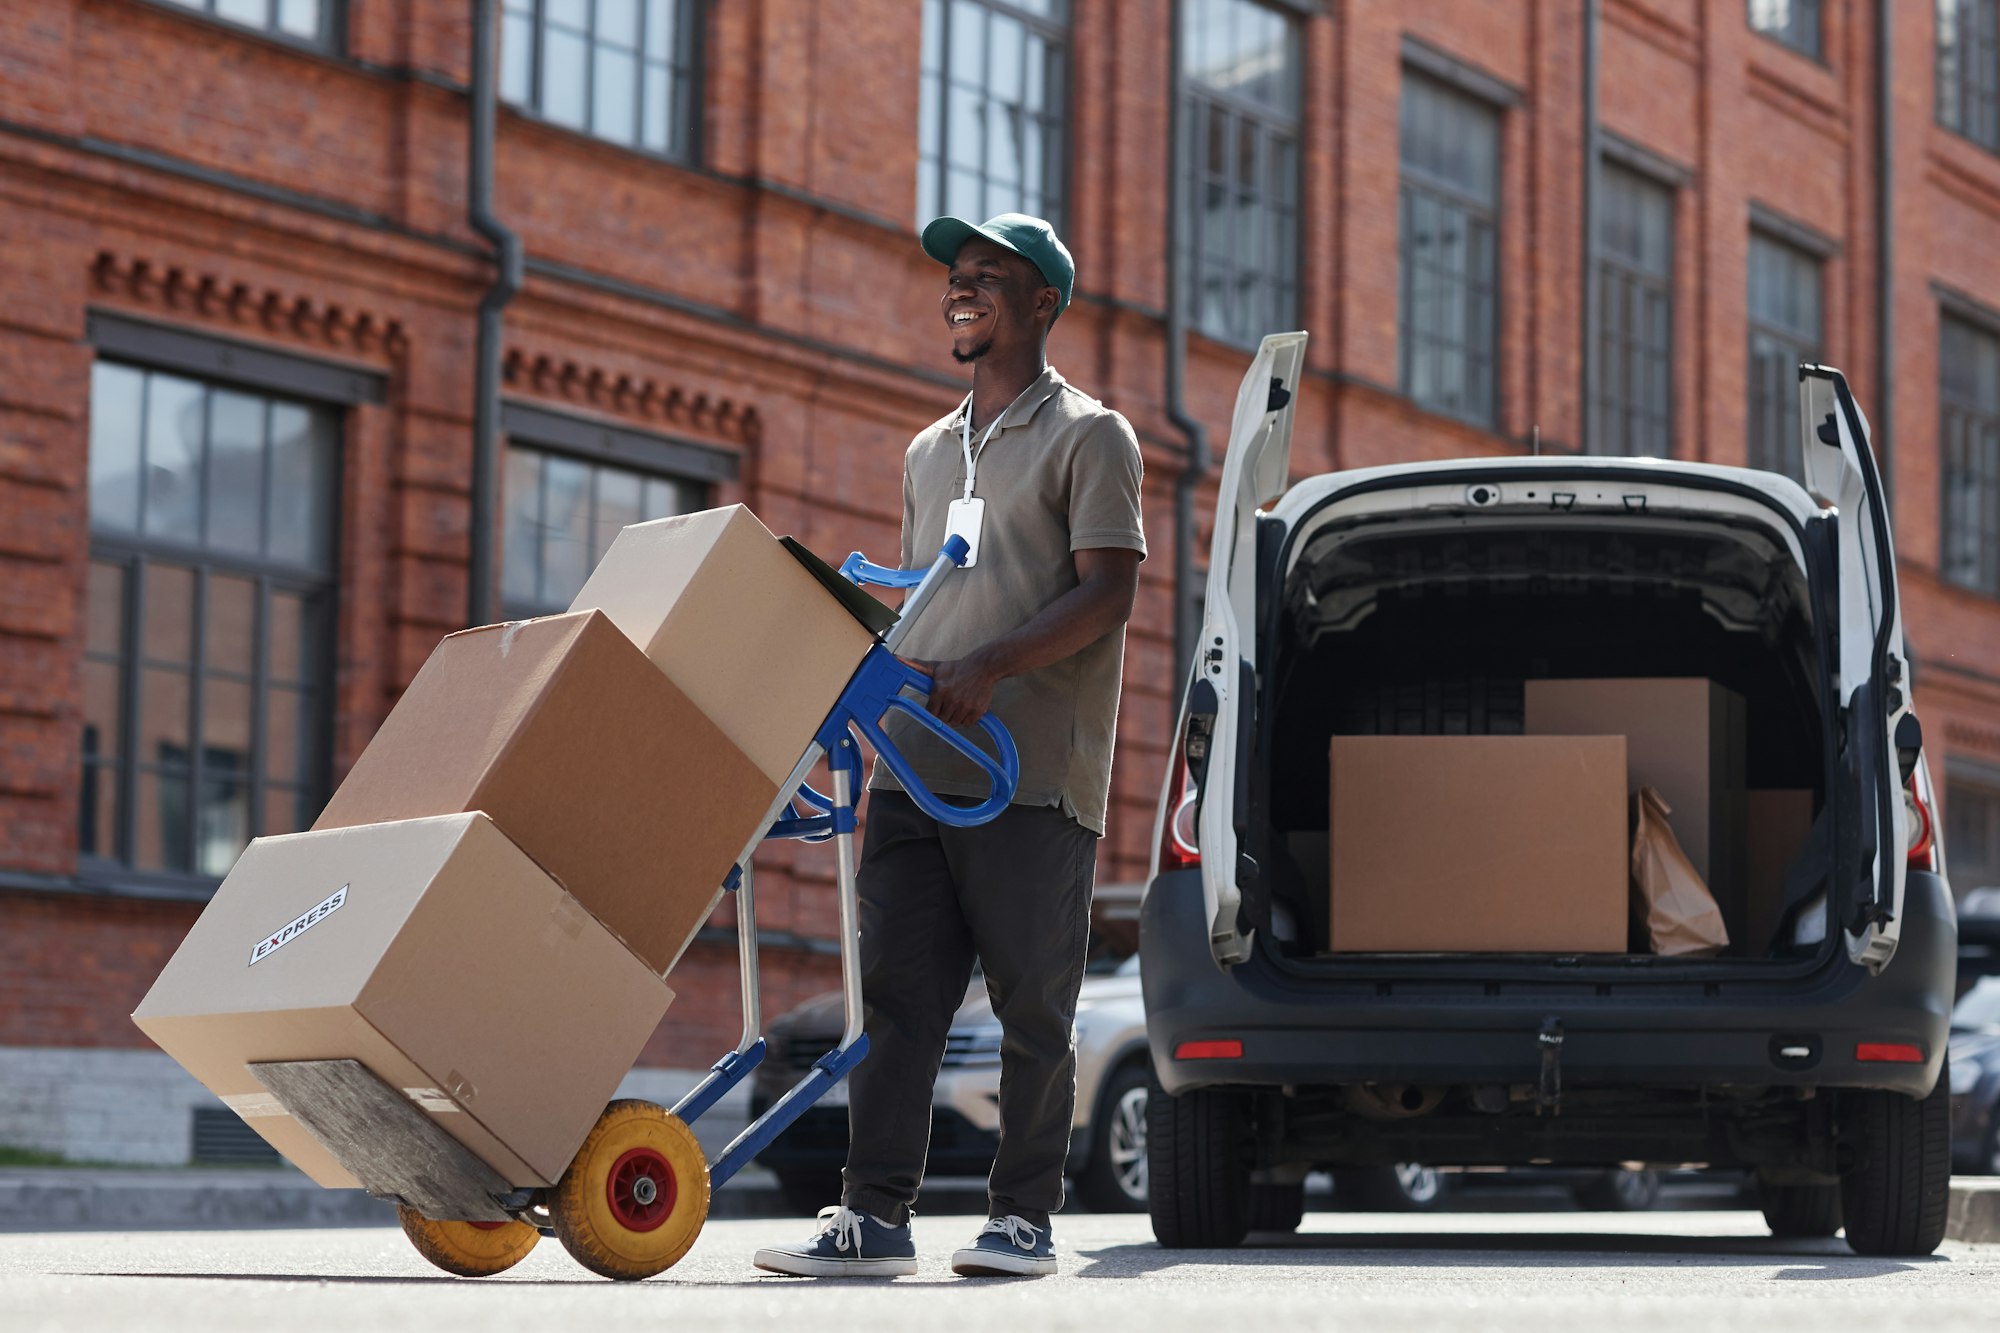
{"points": [[237, 314]]}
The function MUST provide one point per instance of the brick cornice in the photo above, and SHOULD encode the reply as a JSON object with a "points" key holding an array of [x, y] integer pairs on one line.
{"points": [[319, 326], [635, 397]]}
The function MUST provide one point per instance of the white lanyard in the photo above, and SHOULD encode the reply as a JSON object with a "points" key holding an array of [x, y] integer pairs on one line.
{"points": [[965, 440]]}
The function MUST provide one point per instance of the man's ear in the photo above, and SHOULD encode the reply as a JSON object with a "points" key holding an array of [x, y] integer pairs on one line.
{"points": [[1046, 302]]}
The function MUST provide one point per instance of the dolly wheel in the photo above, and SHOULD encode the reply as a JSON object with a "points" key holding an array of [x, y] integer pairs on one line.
{"points": [[469, 1249], [636, 1196]]}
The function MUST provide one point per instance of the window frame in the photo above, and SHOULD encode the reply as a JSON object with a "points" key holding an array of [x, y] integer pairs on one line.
{"points": [[1984, 779], [1983, 97], [1058, 167], [1450, 82], [1815, 51], [697, 468], [1201, 99], [1981, 420], [1786, 237], [134, 553], [689, 15], [1614, 163], [330, 40]]}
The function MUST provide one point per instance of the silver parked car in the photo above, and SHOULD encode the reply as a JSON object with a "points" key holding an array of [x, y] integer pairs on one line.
{"points": [[1107, 1159]]}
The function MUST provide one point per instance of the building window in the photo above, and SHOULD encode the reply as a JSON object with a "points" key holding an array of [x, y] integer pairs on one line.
{"points": [[1784, 331], [1447, 247], [1972, 832], [1968, 69], [1242, 172], [562, 512], [207, 662], [1793, 22], [1635, 272], [622, 70], [990, 133], [1969, 455], [305, 20]]}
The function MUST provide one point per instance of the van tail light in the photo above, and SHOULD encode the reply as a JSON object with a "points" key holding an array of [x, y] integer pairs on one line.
{"points": [[1889, 1053], [1178, 841], [1923, 830]]}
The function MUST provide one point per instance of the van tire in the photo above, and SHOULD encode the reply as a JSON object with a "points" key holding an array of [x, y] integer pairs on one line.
{"points": [[1897, 1192], [1198, 1168], [1800, 1212]]}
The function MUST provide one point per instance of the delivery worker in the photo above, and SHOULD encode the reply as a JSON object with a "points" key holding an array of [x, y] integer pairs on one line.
{"points": [[1043, 481]]}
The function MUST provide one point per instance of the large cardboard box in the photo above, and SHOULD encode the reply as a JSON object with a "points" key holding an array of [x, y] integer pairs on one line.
{"points": [[597, 766], [1478, 844], [436, 953], [734, 620], [1684, 738], [1779, 821]]}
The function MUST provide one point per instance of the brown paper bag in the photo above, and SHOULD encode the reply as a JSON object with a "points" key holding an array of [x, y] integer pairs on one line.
{"points": [[1668, 897]]}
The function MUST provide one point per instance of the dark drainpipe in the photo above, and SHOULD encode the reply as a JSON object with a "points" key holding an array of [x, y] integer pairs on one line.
{"points": [[1195, 470], [1593, 165], [506, 281], [1883, 434]]}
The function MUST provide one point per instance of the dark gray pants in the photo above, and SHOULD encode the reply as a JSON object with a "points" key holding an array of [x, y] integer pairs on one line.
{"points": [[1015, 894]]}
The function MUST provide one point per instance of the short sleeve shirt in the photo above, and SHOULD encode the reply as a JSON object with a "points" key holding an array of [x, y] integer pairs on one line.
{"points": [[1059, 475]]}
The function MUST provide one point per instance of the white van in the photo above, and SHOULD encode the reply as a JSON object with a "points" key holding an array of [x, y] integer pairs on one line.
{"points": [[1424, 599]]}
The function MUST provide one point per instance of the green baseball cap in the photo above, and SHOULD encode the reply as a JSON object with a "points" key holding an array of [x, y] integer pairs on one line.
{"points": [[1029, 237]]}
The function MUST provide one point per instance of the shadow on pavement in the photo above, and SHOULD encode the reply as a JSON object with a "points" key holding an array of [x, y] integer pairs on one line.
{"points": [[1817, 1260]]}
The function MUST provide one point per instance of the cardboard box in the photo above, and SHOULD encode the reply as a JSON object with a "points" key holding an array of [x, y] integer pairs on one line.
{"points": [[1684, 738], [1478, 844], [434, 952], [1778, 823], [736, 622], [591, 761]]}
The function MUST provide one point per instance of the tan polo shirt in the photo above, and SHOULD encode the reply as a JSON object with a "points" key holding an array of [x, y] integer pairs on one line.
{"points": [[1060, 475]]}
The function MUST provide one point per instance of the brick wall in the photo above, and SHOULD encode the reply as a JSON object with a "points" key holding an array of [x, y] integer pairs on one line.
{"points": [[772, 303]]}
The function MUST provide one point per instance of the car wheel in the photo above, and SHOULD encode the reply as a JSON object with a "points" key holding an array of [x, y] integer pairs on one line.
{"points": [[1198, 1168], [1403, 1188], [1620, 1191], [1895, 1194], [806, 1192], [1800, 1212], [1276, 1207], [1114, 1179]]}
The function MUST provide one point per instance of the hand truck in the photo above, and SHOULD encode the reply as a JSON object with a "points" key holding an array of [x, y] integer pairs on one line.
{"points": [[636, 1195]]}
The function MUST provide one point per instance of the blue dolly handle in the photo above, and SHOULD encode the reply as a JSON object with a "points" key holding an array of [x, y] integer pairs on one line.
{"points": [[881, 685]]}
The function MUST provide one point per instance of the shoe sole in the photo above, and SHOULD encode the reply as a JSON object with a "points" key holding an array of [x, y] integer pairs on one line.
{"points": [[801, 1265], [985, 1263]]}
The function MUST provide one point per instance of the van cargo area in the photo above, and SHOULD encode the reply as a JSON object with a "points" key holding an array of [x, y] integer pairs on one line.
{"points": [[1428, 624]]}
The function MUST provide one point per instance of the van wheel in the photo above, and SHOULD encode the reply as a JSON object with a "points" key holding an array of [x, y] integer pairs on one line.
{"points": [[1114, 1180], [1896, 1194], [1800, 1212], [1198, 1168]]}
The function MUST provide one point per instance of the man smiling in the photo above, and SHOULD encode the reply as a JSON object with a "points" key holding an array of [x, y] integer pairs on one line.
{"points": [[1043, 481]]}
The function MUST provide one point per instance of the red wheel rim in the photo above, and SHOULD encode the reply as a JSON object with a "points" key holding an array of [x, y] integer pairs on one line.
{"points": [[641, 1189]]}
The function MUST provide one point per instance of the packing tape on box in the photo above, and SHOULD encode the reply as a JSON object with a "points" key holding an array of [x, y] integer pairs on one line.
{"points": [[460, 1087], [431, 1099], [248, 1104], [569, 916]]}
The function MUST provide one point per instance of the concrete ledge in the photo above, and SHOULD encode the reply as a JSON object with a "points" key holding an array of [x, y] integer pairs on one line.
{"points": [[1975, 1211]]}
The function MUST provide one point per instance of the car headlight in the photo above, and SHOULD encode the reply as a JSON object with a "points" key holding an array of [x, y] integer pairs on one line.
{"points": [[1965, 1075]]}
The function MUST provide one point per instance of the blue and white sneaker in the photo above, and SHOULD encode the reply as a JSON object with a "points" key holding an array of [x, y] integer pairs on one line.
{"points": [[847, 1244], [1007, 1247]]}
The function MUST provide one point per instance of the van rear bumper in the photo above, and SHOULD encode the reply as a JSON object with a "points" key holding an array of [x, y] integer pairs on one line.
{"points": [[1311, 1032]]}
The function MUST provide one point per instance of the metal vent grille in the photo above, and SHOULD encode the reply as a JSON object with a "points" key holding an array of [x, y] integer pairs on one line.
{"points": [[222, 1139]]}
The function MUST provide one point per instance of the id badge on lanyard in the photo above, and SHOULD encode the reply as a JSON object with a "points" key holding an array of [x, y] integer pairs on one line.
{"points": [[967, 514]]}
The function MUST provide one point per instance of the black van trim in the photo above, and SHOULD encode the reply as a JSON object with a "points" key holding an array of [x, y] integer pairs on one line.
{"points": [[1560, 970]]}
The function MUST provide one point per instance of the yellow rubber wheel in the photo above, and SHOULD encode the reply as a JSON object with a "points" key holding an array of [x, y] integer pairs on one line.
{"points": [[469, 1249], [635, 1197]]}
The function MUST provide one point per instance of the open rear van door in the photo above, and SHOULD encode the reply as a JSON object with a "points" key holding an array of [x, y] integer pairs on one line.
{"points": [[1872, 682]]}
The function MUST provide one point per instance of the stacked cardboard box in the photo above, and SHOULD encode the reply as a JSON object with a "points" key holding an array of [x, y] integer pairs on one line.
{"points": [[484, 912]]}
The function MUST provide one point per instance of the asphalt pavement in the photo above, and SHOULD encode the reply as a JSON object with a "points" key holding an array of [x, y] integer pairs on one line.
{"points": [[1379, 1273]]}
